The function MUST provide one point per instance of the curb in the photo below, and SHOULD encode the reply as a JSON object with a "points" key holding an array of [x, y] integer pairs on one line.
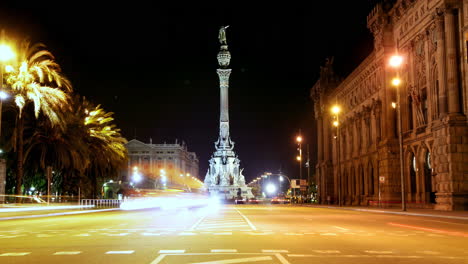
{"points": [[397, 213], [56, 214]]}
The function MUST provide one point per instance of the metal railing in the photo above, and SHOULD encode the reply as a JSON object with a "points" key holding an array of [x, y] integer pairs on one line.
{"points": [[100, 203]]}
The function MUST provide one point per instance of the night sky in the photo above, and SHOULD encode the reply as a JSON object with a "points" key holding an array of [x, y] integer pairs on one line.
{"points": [[155, 68]]}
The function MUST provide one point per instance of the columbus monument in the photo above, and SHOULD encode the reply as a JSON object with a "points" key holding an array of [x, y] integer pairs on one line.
{"points": [[224, 177]]}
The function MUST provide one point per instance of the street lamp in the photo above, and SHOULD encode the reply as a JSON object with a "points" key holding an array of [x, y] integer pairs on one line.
{"points": [[282, 179], [299, 158], [6, 54], [336, 109], [395, 62]]}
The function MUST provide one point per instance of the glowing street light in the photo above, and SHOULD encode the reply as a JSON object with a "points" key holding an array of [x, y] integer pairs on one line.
{"points": [[299, 139], [298, 158], [395, 61], [6, 53], [336, 109], [271, 188], [396, 81]]}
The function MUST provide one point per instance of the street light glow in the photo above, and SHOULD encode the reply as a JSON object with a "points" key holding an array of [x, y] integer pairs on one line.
{"points": [[270, 188], [3, 95], [336, 109], [396, 61], [393, 105], [281, 178], [396, 81], [335, 123], [6, 53], [298, 158], [299, 139]]}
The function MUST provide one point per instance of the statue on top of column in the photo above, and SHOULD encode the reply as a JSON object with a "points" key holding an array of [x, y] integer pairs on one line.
{"points": [[222, 35]]}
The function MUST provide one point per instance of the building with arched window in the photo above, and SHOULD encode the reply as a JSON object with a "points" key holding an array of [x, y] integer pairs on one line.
{"points": [[359, 160], [151, 158]]}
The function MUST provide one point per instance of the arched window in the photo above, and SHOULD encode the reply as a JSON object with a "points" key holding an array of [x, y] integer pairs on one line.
{"points": [[371, 179], [413, 168]]}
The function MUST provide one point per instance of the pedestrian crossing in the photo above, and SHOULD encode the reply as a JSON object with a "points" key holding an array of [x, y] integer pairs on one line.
{"points": [[225, 220]]}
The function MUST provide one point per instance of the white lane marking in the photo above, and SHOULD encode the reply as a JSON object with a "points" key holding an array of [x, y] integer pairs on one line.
{"points": [[83, 235], [44, 235], [260, 234], [223, 234], [197, 223], [15, 254], [121, 252], [121, 234], [282, 259], [239, 260], [150, 234], [187, 234], [215, 227], [247, 220], [341, 228], [293, 234], [429, 252], [171, 251], [378, 252], [275, 251], [223, 250], [328, 234], [66, 253], [327, 251]]}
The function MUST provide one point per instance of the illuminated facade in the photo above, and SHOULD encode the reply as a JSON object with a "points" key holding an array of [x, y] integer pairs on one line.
{"points": [[361, 164], [150, 158]]}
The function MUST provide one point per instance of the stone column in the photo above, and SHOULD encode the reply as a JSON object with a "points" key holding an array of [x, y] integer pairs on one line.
{"points": [[2, 179], [320, 138], [452, 67]]}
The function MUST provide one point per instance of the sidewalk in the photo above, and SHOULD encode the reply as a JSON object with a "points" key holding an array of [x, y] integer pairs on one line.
{"points": [[460, 215], [23, 211]]}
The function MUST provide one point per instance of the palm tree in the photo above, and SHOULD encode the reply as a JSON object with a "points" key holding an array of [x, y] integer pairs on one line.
{"points": [[106, 145], [36, 81]]}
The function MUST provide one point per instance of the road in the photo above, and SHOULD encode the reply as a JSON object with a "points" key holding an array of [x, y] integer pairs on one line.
{"points": [[235, 234]]}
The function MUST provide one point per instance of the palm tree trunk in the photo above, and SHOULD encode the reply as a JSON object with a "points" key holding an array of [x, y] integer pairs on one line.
{"points": [[19, 164]]}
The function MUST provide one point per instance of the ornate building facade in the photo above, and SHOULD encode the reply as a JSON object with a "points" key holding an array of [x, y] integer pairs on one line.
{"points": [[359, 160], [150, 158]]}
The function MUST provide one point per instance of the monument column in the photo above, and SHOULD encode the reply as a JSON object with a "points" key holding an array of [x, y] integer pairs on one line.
{"points": [[452, 69], [441, 64]]}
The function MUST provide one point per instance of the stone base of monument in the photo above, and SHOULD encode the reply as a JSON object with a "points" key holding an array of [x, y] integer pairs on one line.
{"points": [[230, 192]]}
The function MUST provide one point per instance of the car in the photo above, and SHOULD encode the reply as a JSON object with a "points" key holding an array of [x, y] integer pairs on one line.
{"points": [[279, 200], [239, 201], [254, 201]]}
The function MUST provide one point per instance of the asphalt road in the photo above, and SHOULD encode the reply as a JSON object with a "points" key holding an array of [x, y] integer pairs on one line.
{"points": [[234, 234]]}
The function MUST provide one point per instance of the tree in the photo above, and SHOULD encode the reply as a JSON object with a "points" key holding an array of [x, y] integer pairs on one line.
{"points": [[36, 80]]}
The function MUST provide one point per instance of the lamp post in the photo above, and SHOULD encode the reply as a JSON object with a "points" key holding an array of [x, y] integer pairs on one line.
{"points": [[395, 62], [6, 54], [281, 180], [336, 109], [299, 158]]}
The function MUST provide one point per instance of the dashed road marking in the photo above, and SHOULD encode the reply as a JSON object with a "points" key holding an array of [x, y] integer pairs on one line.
{"points": [[150, 234], [327, 251], [15, 254], [275, 251], [378, 251], [66, 253], [121, 252], [171, 251], [341, 228]]}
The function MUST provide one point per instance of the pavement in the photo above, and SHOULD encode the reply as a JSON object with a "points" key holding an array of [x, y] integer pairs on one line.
{"points": [[463, 215], [259, 234]]}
